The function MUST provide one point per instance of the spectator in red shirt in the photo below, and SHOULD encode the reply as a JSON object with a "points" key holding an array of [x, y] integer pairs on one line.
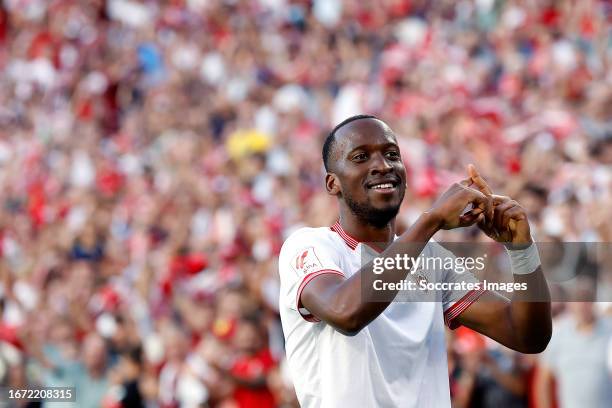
{"points": [[251, 368]]}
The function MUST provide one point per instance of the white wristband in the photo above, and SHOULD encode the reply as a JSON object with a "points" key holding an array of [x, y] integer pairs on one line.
{"points": [[524, 261]]}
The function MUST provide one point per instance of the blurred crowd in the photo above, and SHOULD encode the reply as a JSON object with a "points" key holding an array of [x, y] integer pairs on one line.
{"points": [[155, 155]]}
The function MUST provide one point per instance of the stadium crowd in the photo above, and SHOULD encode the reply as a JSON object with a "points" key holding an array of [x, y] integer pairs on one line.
{"points": [[154, 156]]}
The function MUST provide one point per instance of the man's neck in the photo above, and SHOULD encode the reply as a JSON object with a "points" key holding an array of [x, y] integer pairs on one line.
{"points": [[364, 232]]}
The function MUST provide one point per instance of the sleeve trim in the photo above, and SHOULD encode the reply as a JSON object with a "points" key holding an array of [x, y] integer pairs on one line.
{"points": [[302, 310], [459, 307]]}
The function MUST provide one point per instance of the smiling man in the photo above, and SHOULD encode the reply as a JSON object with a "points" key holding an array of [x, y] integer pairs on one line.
{"points": [[344, 349]]}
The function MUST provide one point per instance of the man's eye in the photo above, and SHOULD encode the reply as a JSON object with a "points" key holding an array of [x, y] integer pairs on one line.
{"points": [[393, 155], [360, 157]]}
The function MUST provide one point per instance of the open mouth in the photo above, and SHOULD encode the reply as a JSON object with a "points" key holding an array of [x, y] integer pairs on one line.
{"points": [[383, 186]]}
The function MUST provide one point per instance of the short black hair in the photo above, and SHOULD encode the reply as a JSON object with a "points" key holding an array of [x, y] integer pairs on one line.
{"points": [[330, 140]]}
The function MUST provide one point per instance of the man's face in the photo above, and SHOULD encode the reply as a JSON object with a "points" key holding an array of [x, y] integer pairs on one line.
{"points": [[369, 170]]}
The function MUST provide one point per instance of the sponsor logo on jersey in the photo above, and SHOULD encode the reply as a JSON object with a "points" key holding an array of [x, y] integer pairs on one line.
{"points": [[306, 261]]}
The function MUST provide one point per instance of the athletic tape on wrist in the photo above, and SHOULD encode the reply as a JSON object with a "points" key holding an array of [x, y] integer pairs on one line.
{"points": [[524, 261]]}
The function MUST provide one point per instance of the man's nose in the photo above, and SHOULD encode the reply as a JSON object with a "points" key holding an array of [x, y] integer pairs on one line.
{"points": [[380, 164]]}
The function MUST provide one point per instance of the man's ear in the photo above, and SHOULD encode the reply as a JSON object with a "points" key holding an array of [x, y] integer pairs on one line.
{"points": [[332, 185]]}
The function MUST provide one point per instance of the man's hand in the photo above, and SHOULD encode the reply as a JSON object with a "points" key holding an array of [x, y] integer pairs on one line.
{"points": [[507, 222], [449, 209]]}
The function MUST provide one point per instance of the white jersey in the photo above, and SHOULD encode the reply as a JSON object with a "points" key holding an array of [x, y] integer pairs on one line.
{"points": [[398, 360]]}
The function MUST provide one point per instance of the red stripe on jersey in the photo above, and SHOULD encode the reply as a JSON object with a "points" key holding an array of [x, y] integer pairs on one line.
{"points": [[459, 307], [350, 241]]}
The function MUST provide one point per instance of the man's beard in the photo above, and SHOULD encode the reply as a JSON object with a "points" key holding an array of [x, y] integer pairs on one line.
{"points": [[376, 217]]}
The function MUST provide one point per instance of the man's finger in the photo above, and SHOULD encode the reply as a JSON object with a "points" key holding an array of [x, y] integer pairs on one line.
{"points": [[480, 219], [484, 202], [478, 180], [499, 199], [477, 198], [483, 224], [498, 219], [507, 215], [474, 212], [469, 218], [482, 185], [466, 182], [514, 213], [512, 225]]}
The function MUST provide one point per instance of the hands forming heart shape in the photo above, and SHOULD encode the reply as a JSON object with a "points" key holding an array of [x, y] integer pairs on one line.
{"points": [[503, 220]]}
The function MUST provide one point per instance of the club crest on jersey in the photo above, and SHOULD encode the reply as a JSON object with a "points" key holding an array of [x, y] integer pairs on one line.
{"points": [[306, 261]]}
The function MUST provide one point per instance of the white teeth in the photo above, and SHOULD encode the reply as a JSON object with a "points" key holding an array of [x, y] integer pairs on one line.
{"points": [[381, 186]]}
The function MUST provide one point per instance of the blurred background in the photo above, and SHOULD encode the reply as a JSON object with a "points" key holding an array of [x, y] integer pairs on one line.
{"points": [[155, 155]]}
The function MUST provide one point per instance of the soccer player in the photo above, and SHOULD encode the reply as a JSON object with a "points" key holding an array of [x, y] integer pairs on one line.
{"points": [[344, 350]]}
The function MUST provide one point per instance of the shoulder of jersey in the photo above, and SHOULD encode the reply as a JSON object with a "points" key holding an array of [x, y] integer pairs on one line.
{"points": [[434, 247], [306, 235]]}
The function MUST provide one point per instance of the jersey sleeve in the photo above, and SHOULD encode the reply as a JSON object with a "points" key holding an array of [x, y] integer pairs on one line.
{"points": [[455, 301], [304, 256]]}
